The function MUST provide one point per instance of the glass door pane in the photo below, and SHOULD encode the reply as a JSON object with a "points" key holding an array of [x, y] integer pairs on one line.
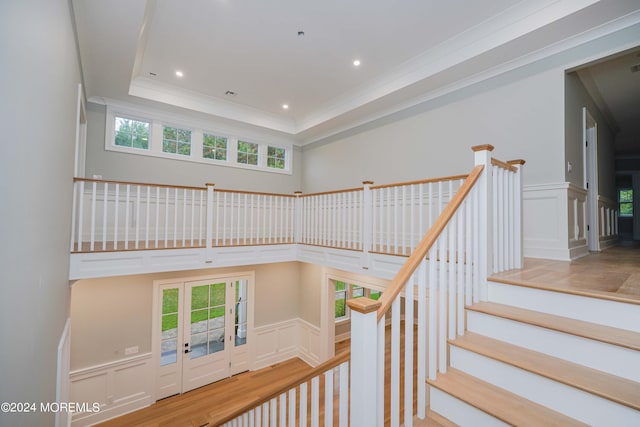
{"points": [[241, 312], [207, 319], [169, 340]]}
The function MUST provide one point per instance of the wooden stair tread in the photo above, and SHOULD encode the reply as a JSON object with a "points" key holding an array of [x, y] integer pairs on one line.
{"points": [[501, 404], [611, 387], [589, 293], [594, 331]]}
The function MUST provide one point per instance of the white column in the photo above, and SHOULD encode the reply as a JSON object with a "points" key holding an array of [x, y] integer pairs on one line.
{"points": [[363, 362], [485, 205]]}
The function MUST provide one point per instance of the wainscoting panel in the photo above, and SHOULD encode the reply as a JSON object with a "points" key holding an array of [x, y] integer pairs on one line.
{"points": [[577, 217], [545, 221], [119, 387], [607, 222], [309, 342]]}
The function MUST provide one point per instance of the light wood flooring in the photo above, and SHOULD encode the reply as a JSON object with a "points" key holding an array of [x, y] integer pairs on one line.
{"points": [[613, 274]]}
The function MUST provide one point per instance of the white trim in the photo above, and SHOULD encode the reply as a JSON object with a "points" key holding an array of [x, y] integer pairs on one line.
{"points": [[81, 136]]}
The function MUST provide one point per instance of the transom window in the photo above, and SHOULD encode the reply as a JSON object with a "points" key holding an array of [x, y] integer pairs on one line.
{"points": [[176, 141], [214, 147], [247, 153], [276, 157], [131, 133], [625, 202]]}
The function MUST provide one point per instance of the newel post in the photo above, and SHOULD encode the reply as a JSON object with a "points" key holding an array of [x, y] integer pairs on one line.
{"points": [[364, 337], [297, 233], [367, 223], [209, 230], [482, 156], [517, 213]]}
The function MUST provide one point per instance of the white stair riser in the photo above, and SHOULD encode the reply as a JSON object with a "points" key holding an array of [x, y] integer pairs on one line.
{"points": [[575, 403], [608, 358], [604, 312], [459, 412]]}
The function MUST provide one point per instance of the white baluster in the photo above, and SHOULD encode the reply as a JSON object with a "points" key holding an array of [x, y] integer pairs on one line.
{"points": [[412, 232], [380, 369], [283, 410], [193, 213], [147, 218], [274, 412], [468, 249], [395, 362], [137, 218], [328, 398], [442, 309], [105, 224], [265, 225], [396, 221], [244, 217], [74, 208], [343, 409], [460, 221], [315, 401], [116, 206], [80, 215], [157, 216], [403, 219], [224, 219], [433, 316], [302, 414], [408, 351], [292, 407], [422, 339], [93, 216], [126, 216], [451, 264], [175, 217], [232, 227], [201, 215]]}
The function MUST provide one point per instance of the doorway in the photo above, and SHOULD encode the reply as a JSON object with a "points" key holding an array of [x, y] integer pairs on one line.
{"points": [[202, 331]]}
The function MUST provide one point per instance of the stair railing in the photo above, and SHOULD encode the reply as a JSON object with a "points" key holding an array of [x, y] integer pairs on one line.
{"points": [[448, 270]]}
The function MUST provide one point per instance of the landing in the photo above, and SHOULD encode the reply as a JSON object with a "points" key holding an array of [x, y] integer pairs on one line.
{"points": [[613, 273]]}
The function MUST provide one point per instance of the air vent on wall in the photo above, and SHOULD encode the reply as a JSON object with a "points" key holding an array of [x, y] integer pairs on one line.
{"points": [[635, 68]]}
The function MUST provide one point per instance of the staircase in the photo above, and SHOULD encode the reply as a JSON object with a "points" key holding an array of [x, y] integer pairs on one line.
{"points": [[539, 357]]}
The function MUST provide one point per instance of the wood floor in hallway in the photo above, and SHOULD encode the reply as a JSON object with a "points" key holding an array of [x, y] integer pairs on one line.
{"points": [[613, 273]]}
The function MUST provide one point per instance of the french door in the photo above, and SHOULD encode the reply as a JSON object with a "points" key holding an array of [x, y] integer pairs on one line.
{"points": [[202, 332]]}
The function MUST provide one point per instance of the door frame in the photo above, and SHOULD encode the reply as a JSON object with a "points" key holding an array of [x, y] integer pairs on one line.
{"points": [[180, 282], [590, 175]]}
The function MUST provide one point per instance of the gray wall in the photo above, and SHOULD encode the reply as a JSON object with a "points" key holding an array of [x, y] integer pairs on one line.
{"points": [[114, 165], [114, 313], [39, 77]]}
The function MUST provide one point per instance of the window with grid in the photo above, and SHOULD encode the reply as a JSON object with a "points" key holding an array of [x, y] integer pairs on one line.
{"points": [[247, 153], [345, 292], [131, 133], [276, 157], [214, 147], [625, 202], [176, 141]]}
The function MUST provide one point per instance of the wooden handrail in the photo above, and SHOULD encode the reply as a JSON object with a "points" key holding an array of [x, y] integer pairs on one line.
{"points": [[295, 381], [323, 193], [420, 181], [257, 193], [503, 165], [420, 253], [180, 187]]}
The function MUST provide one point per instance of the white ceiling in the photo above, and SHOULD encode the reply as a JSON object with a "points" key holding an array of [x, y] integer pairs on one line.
{"points": [[410, 50]]}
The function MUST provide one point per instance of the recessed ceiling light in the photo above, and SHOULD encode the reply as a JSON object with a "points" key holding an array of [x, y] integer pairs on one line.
{"points": [[230, 93], [356, 63], [285, 106], [179, 73], [300, 33]]}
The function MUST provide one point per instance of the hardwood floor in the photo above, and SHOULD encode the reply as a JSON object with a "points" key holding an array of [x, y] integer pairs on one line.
{"points": [[613, 273]]}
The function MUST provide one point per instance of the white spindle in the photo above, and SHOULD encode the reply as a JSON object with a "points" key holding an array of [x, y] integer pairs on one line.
{"points": [[273, 409], [395, 220], [238, 222], [315, 401], [468, 249], [403, 219], [451, 291], [476, 245], [430, 192], [380, 370], [412, 231], [442, 309], [193, 213], [292, 407], [126, 217], [433, 313], [157, 217], [388, 217], [420, 213], [175, 217], [201, 216], [265, 225], [137, 220], [116, 205], [104, 215], [460, 221], [93, 216], [271, 220], [408, 351], [74, 207], [422, 339], [328, 398], [283, 410], [302, 415], [343, 408], [395, 362], [232, 227], [224, 219], [80, 215], [147, 218]]}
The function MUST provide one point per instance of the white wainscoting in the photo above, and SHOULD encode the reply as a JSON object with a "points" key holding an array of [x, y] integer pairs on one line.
{"points": [[554, 218], [119, 387], [283, 340], [607, 222], [577, 217]]}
